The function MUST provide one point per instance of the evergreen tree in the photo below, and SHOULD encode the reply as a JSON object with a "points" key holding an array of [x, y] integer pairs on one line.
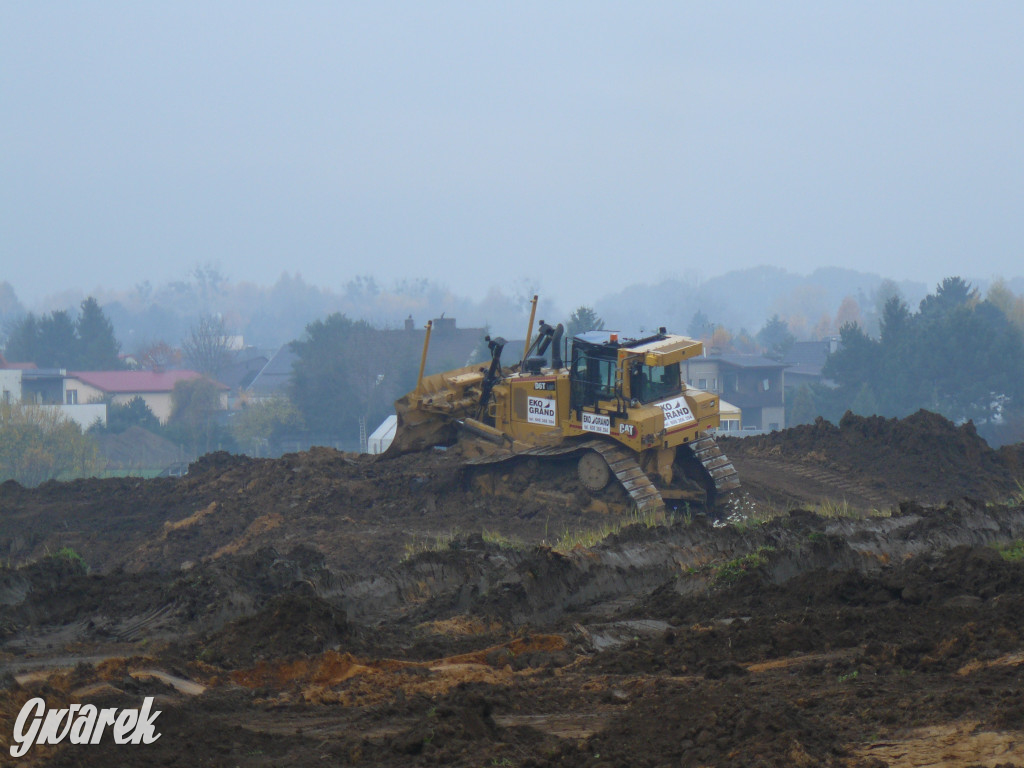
{"points": [[951, 293], [958, 356], [23, 340], [700, 325], [97, 348], [804, 409], [775, 337], [57, 344], [582, 320], [865, 403], [134, 413]]}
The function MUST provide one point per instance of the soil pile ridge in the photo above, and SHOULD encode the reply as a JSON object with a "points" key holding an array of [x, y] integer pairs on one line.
{"points": [[924, 457]]}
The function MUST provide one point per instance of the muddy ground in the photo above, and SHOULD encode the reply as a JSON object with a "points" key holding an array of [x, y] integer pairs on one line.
{"points": [[865, 609]]}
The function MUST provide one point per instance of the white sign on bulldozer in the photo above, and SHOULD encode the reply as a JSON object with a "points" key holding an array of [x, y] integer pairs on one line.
{"points": [[677, 412], [541, 410], [593, 422]]}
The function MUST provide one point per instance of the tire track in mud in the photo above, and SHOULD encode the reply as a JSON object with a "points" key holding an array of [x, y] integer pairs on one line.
{"points": [[809, 483]]}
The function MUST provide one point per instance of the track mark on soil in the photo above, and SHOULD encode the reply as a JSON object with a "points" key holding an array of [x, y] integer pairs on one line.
{"points": [[949, 746], [180, 684], [807, 658], [575, 726], [809, 481]]}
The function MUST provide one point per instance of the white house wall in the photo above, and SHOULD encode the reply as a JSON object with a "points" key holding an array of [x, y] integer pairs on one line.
{"points": [[84, 415], [10, 385]]}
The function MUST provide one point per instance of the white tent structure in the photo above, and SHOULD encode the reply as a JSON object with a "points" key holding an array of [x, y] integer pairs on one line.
{"points": [[382, 436]]}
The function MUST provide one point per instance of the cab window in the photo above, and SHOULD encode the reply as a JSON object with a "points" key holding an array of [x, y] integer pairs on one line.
{"points": [[655, 382], [593, 379]]}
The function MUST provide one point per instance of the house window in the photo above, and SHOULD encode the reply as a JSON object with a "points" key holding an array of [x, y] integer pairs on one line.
{"points": [[766, 384], [71, 397], [702, 384], [714, 384], [7, 396]]}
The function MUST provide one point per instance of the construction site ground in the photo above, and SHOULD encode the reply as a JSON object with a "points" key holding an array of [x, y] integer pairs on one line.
{"points": [[862, 604]]}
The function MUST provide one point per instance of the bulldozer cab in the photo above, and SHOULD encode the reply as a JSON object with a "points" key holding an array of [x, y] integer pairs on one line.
{"points": [[592, 372], [648, 383], [602, 369]]}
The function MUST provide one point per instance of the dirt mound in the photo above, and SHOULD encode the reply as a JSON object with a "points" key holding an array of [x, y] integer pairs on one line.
{"points": [[924, 456], [932, 612], [445, 731], [329, 608], [362, 513], [55, 601], [289, 624]]}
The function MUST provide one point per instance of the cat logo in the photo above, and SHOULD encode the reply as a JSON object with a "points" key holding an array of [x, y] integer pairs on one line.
{"points": [[627, 429]]}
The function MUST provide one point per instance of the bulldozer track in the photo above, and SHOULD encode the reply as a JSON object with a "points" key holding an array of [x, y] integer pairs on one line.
{"points": [[620, 461], [135, 627], [628, 472], [717, 464], [626, 469], [840, 485]]}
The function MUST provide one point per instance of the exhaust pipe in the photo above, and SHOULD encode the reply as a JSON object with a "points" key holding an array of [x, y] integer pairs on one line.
{"points": [[556, 347]]}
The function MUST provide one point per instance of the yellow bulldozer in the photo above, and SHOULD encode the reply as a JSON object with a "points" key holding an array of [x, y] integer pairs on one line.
{"points": [[620, 405]]}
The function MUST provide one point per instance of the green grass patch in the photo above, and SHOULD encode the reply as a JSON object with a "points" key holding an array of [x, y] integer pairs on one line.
{"points": [[843, 509], [728, 572], [1011, 551], [69, 555], [417, 545], [585, 538], [1018, 497], [501, 540]]}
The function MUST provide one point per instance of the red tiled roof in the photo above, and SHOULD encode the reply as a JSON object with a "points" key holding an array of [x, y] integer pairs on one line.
{"points": [[15, 366], [136, 381]]}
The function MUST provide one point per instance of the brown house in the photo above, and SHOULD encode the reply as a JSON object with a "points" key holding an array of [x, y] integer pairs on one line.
{"points": [[752, 383]]}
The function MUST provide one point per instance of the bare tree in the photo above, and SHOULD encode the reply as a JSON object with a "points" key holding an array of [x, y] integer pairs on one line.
{"points": [[208, 346], [158, 356]]}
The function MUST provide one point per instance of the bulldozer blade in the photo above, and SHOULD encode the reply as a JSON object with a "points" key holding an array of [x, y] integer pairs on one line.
{"points": [[417, 429]]}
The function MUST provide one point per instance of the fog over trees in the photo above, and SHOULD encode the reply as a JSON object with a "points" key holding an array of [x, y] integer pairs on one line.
{"points": [[268, 316], [955, 348]]}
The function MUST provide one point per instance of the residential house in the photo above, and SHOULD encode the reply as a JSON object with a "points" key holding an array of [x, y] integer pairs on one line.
{"points": [[450, 346], [752, 383], [121, 387], [274, 377], [805, 361], [10, 386], [45, 388]]}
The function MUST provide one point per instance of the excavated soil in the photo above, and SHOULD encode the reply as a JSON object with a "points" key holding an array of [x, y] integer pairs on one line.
{"points": [[863, 607], [873, 462]]}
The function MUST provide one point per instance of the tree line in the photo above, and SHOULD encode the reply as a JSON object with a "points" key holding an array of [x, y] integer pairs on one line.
{"points": [[57, 340], [958, 355]]}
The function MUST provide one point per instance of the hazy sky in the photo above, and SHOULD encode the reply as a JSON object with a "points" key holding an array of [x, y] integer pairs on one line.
{"points": [[579, 145]]}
